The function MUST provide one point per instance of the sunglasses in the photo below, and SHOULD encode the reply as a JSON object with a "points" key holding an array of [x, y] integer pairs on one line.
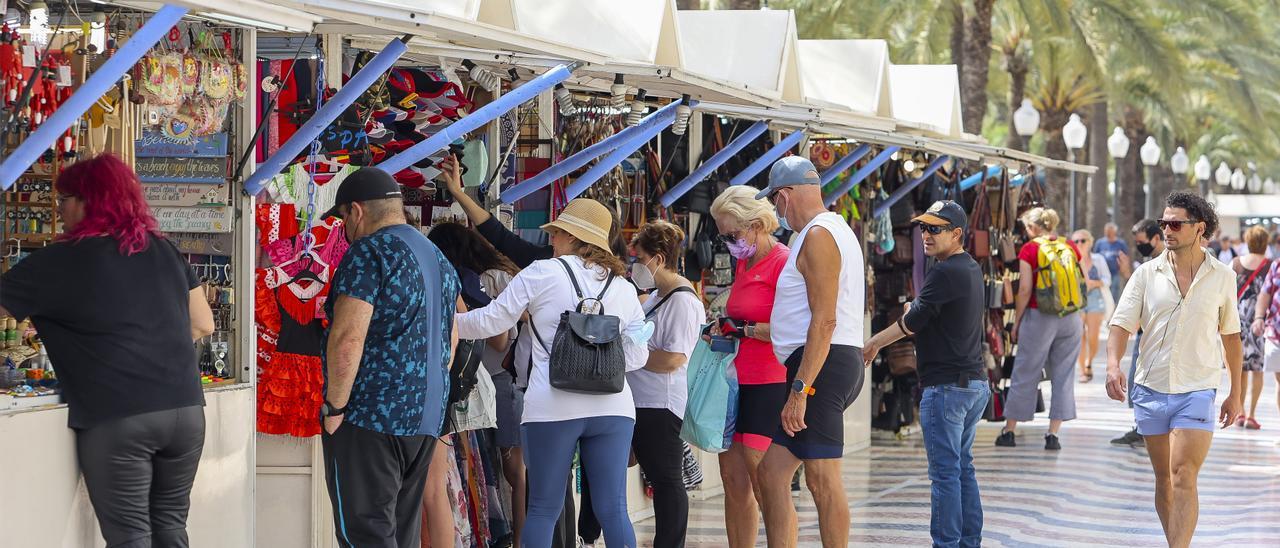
{"points": [[935, 230], [1081, 241], [1174, 225]]}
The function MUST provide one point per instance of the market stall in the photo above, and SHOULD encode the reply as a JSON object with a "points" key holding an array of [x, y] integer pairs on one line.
{"points": [[170, 92]]}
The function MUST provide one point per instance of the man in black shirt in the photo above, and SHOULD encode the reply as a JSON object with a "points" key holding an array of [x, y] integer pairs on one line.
{"points": [[946, 319]]}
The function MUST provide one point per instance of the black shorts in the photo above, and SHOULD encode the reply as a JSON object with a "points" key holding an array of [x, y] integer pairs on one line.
{"points": [[837, 385], [759, 414]]}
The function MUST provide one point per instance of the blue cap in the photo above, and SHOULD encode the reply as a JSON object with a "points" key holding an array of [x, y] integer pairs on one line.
{"points": [[944, 213], [790, 171]]}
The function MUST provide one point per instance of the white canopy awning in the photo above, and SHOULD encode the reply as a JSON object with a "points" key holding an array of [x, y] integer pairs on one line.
{"points": [[755, 48], [928, 97], [1247, 205], [248, 13], [850, 73]]}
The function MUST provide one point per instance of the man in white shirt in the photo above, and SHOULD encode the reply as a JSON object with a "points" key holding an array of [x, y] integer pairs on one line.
{"points": [[1186, 307], [816, 329]]}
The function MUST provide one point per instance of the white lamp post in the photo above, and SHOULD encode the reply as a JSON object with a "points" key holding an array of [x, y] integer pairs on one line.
{"points": [[1179, 163], [1204, 170], [1026, 120], [1074, 134], [1255, 183], [1118, 146], [1150, 155], [1222, 175], [1237, 179], [1269, 186]]}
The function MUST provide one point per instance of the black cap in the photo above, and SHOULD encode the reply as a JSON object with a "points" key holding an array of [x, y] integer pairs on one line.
{"points": [[944, 213], [366, 183]]}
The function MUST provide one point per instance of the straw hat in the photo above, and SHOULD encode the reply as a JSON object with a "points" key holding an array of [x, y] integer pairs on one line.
{"points": [[587, 220]]}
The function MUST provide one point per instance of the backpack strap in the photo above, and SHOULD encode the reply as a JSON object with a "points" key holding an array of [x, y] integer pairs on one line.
{"points": [[574, 279], [654, 310]]}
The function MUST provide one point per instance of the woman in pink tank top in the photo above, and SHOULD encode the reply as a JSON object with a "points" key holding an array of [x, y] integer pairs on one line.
{"points": [[746, 225]]}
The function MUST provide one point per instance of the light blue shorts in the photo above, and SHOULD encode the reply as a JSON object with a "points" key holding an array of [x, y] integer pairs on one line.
{"points": [[1158, 413], [1095, 303]]}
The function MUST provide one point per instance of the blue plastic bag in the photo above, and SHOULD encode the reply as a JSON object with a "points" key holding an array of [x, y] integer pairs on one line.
{"points": [[712, 409]]}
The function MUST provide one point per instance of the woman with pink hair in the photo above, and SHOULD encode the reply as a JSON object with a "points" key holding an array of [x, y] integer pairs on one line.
{"points": [[117, 306]]}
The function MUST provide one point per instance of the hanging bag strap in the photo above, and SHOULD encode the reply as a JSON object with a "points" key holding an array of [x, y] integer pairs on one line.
{"points": [[653, 311], [578, 289]]}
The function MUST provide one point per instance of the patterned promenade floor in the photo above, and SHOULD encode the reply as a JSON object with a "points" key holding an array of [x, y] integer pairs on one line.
{"points": [[1089, 494]]}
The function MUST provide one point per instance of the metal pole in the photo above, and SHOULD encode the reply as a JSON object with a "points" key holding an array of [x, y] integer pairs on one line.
{"points": [[1071, 157], [1115, 195]]}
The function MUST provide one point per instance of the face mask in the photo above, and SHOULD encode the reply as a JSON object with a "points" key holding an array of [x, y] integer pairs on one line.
{"points": [[741, 250], [782, 220], [1146, 249], [642, 276]]}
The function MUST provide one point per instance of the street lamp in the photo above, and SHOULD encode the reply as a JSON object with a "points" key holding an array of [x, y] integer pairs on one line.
{"points": [[1179, 163], [1150, 155], [1118, 146], [1237, 179], [1204, 170], [1074, 134], [1269, 186], [1026, 120], [1255, 183], [1222, 175]]}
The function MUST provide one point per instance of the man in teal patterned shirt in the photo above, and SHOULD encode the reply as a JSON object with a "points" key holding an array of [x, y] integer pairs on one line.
{"points": [[387, 358]]}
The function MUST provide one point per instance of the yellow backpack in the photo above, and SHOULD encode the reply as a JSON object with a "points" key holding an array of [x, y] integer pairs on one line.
{"points": [[1060, 284]]}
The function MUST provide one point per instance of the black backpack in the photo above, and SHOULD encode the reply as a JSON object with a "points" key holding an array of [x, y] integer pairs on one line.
{"points": [[587, 354], [466, 359]]}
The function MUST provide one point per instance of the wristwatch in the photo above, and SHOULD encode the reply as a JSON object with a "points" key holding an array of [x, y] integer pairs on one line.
{"points": [[750, 330], [328, 410], [799, 387]]}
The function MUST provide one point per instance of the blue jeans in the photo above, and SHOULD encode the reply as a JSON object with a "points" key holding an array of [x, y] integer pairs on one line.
{"points": [[605, 447], [949, 417]]}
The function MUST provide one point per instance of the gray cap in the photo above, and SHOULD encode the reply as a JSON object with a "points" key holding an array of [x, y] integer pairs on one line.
{"points": [[790, 171]]}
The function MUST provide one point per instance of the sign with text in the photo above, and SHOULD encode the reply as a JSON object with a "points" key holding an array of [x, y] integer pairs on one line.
{"points": [[156, 144], [186, 194], [222, 245], [182, 170], [194, 219]]}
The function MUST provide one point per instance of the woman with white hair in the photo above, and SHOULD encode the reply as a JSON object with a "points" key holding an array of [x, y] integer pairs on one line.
{"points": [[747, 225]]}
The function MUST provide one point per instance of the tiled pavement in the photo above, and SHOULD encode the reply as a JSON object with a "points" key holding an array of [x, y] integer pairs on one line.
{"points": [[1089, 494]]}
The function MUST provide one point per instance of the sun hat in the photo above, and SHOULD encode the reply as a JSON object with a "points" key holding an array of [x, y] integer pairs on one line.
{"points": [[586, 220]]}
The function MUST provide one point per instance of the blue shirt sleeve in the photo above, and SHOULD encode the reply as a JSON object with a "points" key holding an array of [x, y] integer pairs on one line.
{"points": [[361, 273]]}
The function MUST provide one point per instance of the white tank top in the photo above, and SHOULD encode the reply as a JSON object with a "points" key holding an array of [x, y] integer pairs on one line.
{"points": [[789, 322]]}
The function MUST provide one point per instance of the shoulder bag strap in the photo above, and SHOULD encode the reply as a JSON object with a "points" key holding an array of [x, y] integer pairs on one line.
{"points": [[654, 310], [1245, 287]]}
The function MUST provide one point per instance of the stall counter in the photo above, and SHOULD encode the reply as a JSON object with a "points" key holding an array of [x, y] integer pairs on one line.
{"points": [[43, 501]]}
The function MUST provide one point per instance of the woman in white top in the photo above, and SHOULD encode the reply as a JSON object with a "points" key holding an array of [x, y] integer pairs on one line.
{"points": [[661, 388], [1097, 279], [555, 421]]}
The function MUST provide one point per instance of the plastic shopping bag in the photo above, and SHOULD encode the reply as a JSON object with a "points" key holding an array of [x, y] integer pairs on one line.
{"points": [[712, 409]]}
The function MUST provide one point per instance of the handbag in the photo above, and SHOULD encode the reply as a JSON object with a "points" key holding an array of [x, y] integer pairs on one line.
{"points": [[980, 236], [462, 373], [900, 357], [711, 412], [586, 354], [903, 252]]}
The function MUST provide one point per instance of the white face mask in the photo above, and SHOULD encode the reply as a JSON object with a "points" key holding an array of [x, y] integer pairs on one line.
{"points": [[642, 276]]}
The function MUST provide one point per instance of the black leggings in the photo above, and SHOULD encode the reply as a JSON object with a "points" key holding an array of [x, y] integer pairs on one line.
{"points": [[660, 453], [139, 471]]}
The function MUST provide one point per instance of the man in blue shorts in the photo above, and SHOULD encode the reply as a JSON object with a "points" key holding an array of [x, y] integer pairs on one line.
{"points": [[1185, 304]]}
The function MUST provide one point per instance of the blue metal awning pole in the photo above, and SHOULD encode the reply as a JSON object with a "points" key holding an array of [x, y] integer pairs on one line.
{"points": [[842, 165], [480, 117], [973, 180], [330, 111], [716, 160], [98, 84], [904, 189], [614, 158], [766, 159], [859, 175], [584, 156]]}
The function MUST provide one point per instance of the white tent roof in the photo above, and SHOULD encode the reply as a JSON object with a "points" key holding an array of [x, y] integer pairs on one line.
{"points": [[1247, 205], [631, 34], [755, 48], [851, 73], [927, 97]]}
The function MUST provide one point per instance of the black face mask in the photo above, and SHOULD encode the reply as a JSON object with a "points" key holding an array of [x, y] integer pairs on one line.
{"points": [[1146, 249]]}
